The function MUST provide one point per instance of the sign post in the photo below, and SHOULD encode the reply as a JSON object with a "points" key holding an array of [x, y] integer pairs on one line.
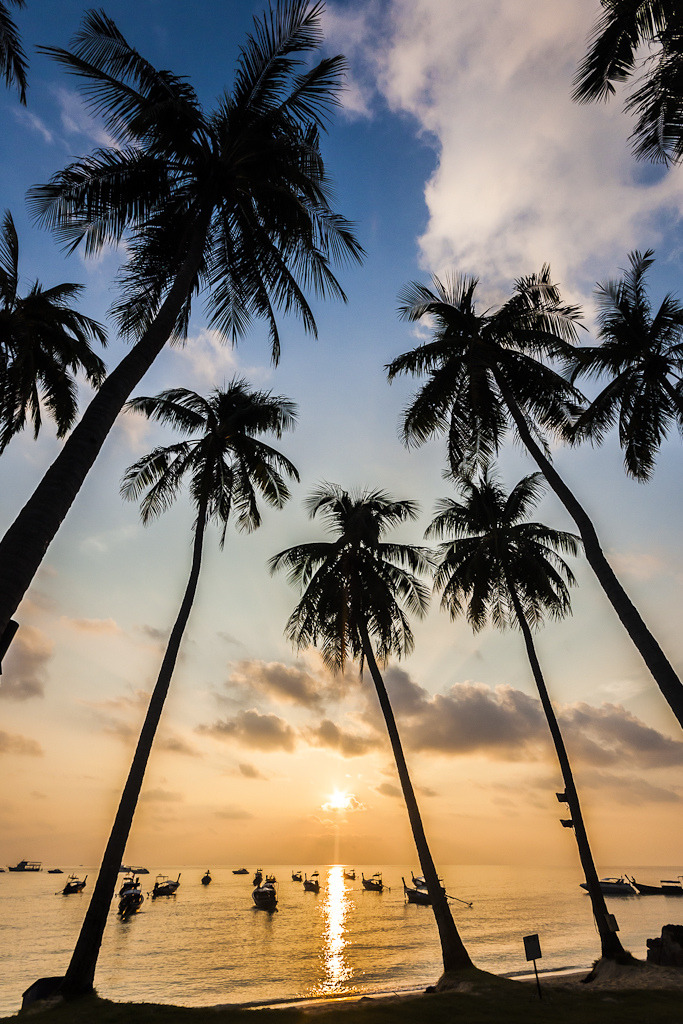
{"points": [[532, 949]]}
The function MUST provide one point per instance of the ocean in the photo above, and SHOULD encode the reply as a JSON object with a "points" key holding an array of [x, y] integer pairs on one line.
{"points": [[208, 945]]}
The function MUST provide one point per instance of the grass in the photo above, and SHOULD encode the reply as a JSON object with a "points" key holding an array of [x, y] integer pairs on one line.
{"points": [[481, 999]]}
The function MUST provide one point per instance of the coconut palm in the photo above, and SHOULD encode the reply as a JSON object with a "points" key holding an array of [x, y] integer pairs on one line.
{"points": [[495, 565], [13, 63], [642, 352], [233, 201], [356, 591], [625, 29], [227, 465], [484, 376], [43, 344]]}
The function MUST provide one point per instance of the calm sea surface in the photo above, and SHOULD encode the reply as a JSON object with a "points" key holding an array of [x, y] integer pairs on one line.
{"points": [[209, 945]]}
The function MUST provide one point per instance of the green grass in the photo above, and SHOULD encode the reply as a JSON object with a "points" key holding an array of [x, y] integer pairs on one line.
{"points": [[497, 1002]]}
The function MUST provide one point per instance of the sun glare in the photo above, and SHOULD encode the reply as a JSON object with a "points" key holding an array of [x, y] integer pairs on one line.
{"points": [[339, 800]]}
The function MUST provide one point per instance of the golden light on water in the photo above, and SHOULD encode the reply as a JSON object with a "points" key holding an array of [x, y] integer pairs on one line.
{"points": [[335, 909]]}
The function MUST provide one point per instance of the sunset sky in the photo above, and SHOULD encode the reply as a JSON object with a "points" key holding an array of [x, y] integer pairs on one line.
{"points": [[458, 148]]}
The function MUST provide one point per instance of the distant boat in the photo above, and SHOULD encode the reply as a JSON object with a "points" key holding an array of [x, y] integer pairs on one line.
{"points": [[265, 896], [667, 887], [350, 874], [240, 871], [73, 885], [312, 884], [206, 878], [374, 883], [164, 886], [131, 898], [258, 877], [51, 871], [614, 887], [134, 870], [27, 865], [296, 876]]}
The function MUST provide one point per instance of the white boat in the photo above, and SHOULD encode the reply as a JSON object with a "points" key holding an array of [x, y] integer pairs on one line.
{"points": [[614, 887]]}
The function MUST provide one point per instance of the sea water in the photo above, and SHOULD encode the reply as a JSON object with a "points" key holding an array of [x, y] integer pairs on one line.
{"points": [[209, 945]]}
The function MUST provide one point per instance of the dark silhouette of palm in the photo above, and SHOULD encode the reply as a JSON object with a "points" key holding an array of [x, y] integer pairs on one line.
{"points": [[619, 38], [44, 343], [227, 466], [235, 202], [495, 565], [357, 589], [641, 351], [485, 377], [13, 63]]}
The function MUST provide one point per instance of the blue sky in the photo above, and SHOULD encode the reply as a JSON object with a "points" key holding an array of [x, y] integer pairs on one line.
{"points": [[458, 149]]}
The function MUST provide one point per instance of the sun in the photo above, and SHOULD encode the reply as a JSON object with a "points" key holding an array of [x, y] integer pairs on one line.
{"points": [[338, 800]]}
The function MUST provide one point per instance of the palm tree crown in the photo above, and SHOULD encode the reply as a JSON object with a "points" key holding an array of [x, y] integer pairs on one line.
{"points": [[227, 463], [493, 550], [358, 581], [246, 178], [473, 358], [13, 63], [43, 344], [642, 351], [625, 27]]}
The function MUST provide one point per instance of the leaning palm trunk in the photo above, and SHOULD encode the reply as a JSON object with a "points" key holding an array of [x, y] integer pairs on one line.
{"points": [[455, 956], [80, 974], [612, 948], [23, 547], [655, 659]]}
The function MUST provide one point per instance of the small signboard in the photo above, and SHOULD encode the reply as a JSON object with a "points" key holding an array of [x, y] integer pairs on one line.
{"points": [[532, 947]]}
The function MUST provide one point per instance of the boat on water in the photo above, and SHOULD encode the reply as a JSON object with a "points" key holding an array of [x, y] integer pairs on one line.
{"points": [[258, 877], [667, 887], [74, 884], [206, 878], [240, 871], [374, 883], [312, 884], [350, 874], [131, 897], [51, 871], [296, 876], [413, 894], [27, 865], [614, 887], [265, 896], [133, 870], [164, 886]]}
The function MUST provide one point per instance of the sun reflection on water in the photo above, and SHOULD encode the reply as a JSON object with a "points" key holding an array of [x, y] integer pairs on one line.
{"points": [[335, 909]]}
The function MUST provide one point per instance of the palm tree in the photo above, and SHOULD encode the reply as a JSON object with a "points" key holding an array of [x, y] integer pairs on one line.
{"points": [[355, 589], [498, 566], [625, 27], [43, 344], [226, 464], [13, 63], [485, 376], [234, 201], [642, 352]]}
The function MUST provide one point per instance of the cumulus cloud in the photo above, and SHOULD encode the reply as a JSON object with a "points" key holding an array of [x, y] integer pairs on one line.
{"points": [[611, 735], [249, 771], [252, 729], [13, 743], [289, 684], [328, 734], [630, 789], [523, 176], [388, 789], [25, 665]]}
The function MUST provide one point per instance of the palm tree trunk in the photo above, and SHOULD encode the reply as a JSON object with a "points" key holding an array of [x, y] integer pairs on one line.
{"points": [[455, 956], [25, 543], [652, 654], [80, 973], [612, 948]]}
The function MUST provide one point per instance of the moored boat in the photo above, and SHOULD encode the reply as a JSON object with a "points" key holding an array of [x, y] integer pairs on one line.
{"points": [[53, 871], [416, 895], [73, 885], [164, 886], [614, 887], [130, 897], [240, 871], [350, 874], [206, 878], [374, 883], [265, 896], [312, 884], [258, 877], [296, 876], [27, 865], [667, 887]]}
